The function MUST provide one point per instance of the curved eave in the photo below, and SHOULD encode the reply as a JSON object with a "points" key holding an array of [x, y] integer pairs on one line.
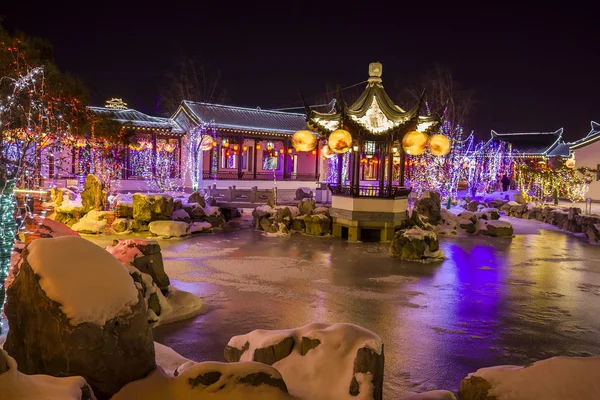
{"points": [[384, 102]]}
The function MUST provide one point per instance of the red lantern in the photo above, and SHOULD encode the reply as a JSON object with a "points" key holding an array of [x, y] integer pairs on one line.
{"points": [[245, 148], [289, 151], [258, 147], [235, 147]]}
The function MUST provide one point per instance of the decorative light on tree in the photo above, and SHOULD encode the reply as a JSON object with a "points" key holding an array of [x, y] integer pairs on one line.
{"points": [[199, 140]]}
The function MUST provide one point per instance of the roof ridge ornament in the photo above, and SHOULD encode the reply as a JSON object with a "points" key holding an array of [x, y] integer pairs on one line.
{"points": [[375, 71], [116, 103]]}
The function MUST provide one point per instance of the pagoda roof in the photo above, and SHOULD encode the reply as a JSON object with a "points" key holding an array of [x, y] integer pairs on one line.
{"points": [[238, 119], [592, 136], [374, 112], [534, 143], [137, 119]]}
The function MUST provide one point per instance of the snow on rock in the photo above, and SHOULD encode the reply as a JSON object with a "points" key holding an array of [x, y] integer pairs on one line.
{"points": [[488, 213], [169, 229], [210, 380], [494, 228], [211, 210], [125, 198], [69, 206], [556, 378], [180, 215], [262, 211], [416, 244], [200, 227], [15, 385], [509, 195], [293, 210], [93, 222], [168, 359], [88, 282], [318, 361]]}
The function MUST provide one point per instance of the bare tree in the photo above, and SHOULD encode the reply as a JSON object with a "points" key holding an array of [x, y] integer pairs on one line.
{"points": [[192, 82]]}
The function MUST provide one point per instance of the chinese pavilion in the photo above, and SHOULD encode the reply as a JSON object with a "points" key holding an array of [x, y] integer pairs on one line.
{"points": [[373, 127]]}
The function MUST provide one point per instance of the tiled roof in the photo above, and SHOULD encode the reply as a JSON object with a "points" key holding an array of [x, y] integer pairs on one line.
{"points": [[592, 136], [538, 143], [239, 118], [137, 119]]}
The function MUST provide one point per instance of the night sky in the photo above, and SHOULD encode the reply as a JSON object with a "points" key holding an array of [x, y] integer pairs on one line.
{"points": [[533, 68]]}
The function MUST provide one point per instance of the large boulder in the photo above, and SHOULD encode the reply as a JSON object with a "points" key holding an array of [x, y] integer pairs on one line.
{"points": [[317, 224], [494, 228], [318, 361], [124, 210], [306, 206], [73, 309], [303, 193], [197, 197], [210, 380], [15, 385], [152, 207], [93, 196], [488, 214], [195, 211], [120, 225], [139, 226], [169, 229], [429, 206], [214, 217], [415, 244], [181, 215]]}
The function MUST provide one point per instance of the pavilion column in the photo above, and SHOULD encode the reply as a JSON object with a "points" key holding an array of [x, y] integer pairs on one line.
{"points": [[381, 169], [254, 161], [340, 161], [286, 145], [389, 167], [239, 155], [317, 158], [401, 172]]}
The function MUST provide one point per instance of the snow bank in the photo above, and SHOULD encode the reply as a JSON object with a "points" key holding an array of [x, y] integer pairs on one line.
{"points": [[200, 226], [324, 372], [168, 359], [555, 378], [69, 206], [186, 386], [87, 281], [508, 195], [15, 385], [125, 198], [169, 228]]}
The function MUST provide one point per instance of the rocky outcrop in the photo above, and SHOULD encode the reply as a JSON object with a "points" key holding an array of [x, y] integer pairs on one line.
{"points": [[93, 196], [124, 210], [415, 244], [120, 225], [197, 197], [429, 206], [43, 340], [317, 224], [195, 211], [152, 207], [494, 228], [139, 226], [306, 206], [150, 261]]}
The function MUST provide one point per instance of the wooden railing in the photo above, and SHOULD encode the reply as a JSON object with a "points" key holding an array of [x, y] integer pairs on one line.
{"points": [[259, 176], [369, 191]]}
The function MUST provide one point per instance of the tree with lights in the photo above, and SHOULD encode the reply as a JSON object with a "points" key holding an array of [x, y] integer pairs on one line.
{"points": [[442, 173], [40, 109]]}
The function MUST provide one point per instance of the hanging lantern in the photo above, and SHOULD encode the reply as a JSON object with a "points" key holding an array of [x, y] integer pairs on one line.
{"points": [[439, 145], [257, 146], [340, 141], [304, 140], [314, 152], [414, 143], [326, 152], [570, 163], [225, 143], [289, 151], [269, 146], [214, 144], [245, 148]]}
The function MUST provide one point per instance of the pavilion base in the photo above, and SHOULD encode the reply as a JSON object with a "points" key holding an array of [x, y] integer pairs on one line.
{"points": [[373, 217]]}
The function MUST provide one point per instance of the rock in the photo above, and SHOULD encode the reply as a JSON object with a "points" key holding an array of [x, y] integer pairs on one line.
{"points": [[93, 196], [181, 215], [475, 388], [494, 228], [428, 206], [197, 197], [468, 226], [262, 211], [57, 196], [321, 210], [120, 225], [268, 225], [169, 229], [306, 206], [124, 210], [44, 340], [247, 380], [139, 226], [149, 262], [317, 225], [67, 219], [152, 207], [298, 224], [344, 350], [473, 205], [470, 215], [303, 193], [593, 233], [497, 203], [418, 220], [216, 220], [195, 211], [488, 214], [16, 385], [233, 354], [519, 198], [177, 204], [230, 213], [415, 244]]}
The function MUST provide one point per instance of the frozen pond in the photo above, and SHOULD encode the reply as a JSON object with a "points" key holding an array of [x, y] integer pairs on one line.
{"points": [[492, 301]]}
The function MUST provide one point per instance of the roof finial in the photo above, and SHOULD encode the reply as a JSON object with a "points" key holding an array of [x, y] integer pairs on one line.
{"points": [[375, 70]]}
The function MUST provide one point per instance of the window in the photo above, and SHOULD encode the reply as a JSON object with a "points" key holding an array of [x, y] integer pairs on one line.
{"points": [[369, 147]]}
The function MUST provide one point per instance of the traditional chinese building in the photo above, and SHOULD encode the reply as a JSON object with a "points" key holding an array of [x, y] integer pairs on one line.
{"points": [[587, 154], [372, 128], [539, 145]]}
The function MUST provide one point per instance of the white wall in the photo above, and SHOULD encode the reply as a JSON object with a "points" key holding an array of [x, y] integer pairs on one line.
{"points": [[589, 156]]}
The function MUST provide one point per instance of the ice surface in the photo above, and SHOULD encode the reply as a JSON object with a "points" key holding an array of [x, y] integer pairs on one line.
{"points": [[89, 283]]}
